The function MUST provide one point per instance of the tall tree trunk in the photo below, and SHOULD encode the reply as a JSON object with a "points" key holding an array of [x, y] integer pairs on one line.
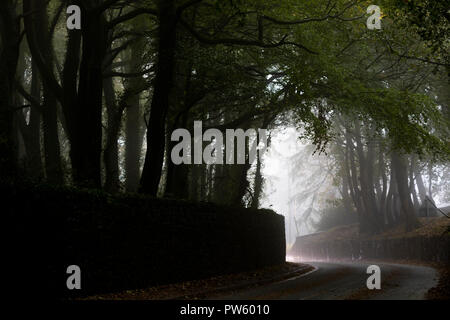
{"points": [[401, 175], [154, 157], [193, 182], [70, 81], [412, 185], [390, 199], [382, 200], [430, 181], [348, 194], [366, 182], [177, 175], [134, 120], [9, 55], [52, 157], [372, 186], [241, 184], [258, 183], [31, 131], [357, 198], [259, 180], [185, 100], [38, 35], [111, 152], [34, 149], [87, 136], [134, 135], [420, 184], [31, 134]]}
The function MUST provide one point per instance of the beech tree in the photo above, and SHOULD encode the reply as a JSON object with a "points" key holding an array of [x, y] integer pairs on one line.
{"points": [[105, 98]]}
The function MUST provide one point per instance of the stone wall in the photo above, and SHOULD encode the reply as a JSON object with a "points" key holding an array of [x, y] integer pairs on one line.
{"points": [[130, 241]]}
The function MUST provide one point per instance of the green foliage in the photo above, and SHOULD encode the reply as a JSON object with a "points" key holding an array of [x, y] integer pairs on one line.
{"points": [[429, 18]]}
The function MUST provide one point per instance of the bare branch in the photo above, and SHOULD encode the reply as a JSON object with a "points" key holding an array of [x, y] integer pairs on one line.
{"points": [[130, 15], [33, 100], [186, 5], [327, 16], [128, 75], [239, 42]]}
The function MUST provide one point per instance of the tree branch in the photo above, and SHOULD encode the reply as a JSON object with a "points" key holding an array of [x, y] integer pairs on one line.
{"points": [[186, 5], [128, 75], [33, 100], [105, 5], [325, 17], [46, 72], [130, 15]]}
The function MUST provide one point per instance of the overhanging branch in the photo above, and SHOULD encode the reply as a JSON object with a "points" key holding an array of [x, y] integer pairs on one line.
{"points": [[239, 42]]}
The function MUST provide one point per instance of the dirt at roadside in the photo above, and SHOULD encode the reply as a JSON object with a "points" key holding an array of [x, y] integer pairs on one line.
{"points": [[442, 290], [197, 289]]}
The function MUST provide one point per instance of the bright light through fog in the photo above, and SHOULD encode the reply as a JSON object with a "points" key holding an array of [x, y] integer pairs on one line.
{"points": [[284, 144], [299, 185]]}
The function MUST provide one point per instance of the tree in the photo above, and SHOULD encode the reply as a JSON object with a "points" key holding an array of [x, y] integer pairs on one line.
{"points": [[9, 55]]}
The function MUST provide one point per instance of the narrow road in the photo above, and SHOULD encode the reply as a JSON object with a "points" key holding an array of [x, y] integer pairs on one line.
{"points": [[337, 281]]}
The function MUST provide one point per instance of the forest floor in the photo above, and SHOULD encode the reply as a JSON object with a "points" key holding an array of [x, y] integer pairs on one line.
{"points": [[199, 289]]}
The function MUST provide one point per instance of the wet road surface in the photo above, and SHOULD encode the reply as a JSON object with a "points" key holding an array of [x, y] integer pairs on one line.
{"points": [[338, 281]]}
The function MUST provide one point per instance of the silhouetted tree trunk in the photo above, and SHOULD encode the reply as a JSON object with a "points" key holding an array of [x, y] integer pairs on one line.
{"points": [[177, 175], [219, 178], [430, 181], [390, 207], [87, 138], [382, 200], [258, 184], [401, 174], [134, 136], [38, 35], [83, 108], [210, 182], [412, 185], [420, 184], [347, 189], [241, 184], [154, 157], [259, 181], [53, 167], [357, 199], [69, 81], [194, 182], [111, 152], [31, 132], [34, 151], [366, 182], [9, 55]]}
